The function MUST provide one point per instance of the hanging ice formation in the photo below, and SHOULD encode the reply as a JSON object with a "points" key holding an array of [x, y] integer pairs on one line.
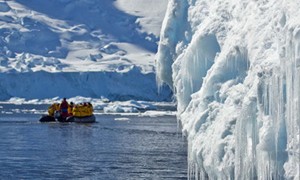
{"points": [[235, 69]]}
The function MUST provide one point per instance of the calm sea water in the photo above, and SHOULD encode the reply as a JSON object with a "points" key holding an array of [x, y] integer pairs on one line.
{"points": [[138, 148]]}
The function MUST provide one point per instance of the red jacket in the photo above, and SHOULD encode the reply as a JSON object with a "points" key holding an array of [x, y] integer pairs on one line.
{"points": [[64, 109]]}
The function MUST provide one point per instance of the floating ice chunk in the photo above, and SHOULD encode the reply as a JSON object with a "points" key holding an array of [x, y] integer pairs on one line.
{"points": [[122, 119], [119, 109], [158, 113], [112, 49]]}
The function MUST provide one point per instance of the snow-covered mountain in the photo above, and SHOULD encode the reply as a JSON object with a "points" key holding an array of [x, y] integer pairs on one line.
{"points": [[234, 66], [80, 48]]}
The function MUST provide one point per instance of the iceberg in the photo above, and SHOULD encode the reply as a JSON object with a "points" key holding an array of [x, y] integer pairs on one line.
{"points": [[234, 69]]}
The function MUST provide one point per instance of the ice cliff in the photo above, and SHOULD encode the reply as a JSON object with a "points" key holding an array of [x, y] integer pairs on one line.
{"points": [[235, 69]]}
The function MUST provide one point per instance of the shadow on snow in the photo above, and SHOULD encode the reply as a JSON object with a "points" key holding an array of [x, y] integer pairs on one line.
{"points": [[95, 16]]}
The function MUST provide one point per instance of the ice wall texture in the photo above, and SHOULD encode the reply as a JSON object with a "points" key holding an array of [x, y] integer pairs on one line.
{"points": [[234, 66], [131, 85]]}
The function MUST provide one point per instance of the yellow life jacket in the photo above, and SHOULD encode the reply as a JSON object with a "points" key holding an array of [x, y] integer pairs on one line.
{"points": [[82, 110], [51, 109], [70, 109], [76, 111]]}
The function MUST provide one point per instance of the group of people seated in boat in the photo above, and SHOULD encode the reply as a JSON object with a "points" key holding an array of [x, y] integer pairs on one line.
{"points": [[65, 109]]}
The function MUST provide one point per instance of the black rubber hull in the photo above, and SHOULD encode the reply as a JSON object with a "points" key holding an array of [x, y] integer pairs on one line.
{"points": [[87, 119], [47, 119]]}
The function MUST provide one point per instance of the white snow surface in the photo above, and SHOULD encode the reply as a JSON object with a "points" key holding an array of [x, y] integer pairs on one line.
{"points": [[85, 48], [234, 66]]}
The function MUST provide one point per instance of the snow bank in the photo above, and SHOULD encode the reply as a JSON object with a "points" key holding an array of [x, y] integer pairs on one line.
{"points": [[234, 66]]}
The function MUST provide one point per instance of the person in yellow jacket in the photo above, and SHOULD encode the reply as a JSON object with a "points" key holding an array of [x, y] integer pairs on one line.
{"points": [[54, 107], [70, 109], [82, 110]]}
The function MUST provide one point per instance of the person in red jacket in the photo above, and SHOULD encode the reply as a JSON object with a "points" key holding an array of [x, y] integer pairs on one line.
{"points": [[64, 108]]}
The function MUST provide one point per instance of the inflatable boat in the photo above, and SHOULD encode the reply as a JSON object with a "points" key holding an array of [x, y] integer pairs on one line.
{"points": [[79, 113], [87, 119]]}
